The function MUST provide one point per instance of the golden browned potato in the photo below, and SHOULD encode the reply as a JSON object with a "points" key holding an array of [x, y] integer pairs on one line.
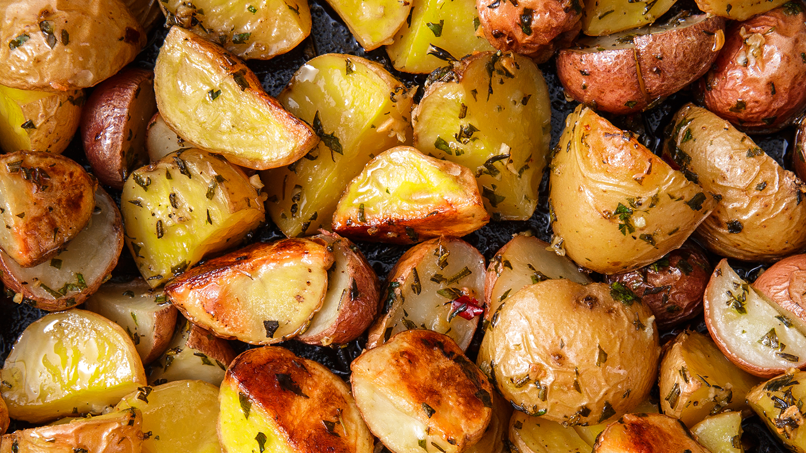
{"points": [[570, 353], [738, 10], [227, 110], [616, 206], [374, 22], [532, 434], [756, 83], [605, 17], [45, 201], [38, 120], [632, 70], [60, 45], [721, 433], [496, 437], [647, 433], [784, 283], [588, 433], [193, 353], [4, 420], [759, 215], [403, 196], [419, 393], [161, 140], [113, 125], [775, 402], [272, 400]]}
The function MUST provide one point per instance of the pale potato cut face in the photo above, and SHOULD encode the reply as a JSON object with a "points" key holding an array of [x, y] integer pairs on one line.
{"points": [[38, 120], [604, 17], [373, 23], [161, 140], [738, 10], [536, 435], [192, 354], [721, 432], [496, 436], [775, 402]]}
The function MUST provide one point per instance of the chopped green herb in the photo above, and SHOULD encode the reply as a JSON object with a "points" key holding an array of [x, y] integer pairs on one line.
{"points": [[436, 29], [623, 294]]}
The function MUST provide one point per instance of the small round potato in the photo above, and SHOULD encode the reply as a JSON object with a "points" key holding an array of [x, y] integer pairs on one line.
{"points": [[784, 283], [38, 120], [647, 433]]}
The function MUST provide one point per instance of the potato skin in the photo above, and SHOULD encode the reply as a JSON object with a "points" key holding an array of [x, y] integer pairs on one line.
{"points": [[757, 81], [784, 283], [4, 420], [799, 153], [646, 433]]}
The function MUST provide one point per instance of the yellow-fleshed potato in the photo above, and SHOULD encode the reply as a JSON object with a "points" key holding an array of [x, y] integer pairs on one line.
{"points": [[4, 420], [720, 433], [259, 29], [419, 393], [536, 435], [359, 110], [115, 432], [45, 201], [77, 269], [261, 294], [738, 10], [647, 433], [759, 215], [274, 401], [215, 102], [590, 432], [616, 206], [45, 43], [490, 113], [776, 403], [496, 437], [696, 380], [161, 140], [179, 209], [784, 284], [570, 353], [436, 285], [404, 196], [193, 353], [71, 362], [374, 22], [605, 17], [38, 120], [178, 416]]}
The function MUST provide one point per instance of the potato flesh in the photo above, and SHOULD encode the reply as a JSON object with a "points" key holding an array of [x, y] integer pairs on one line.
{"points": [[589, 433], [161, 140], [648, 433], [781, 415], [373, 23], [536, 435], [69, 362], [721, 433], [604, 17], [185, 360], [502, 137], [738, 10], [53, 117], [496, 436], [366, 112]]}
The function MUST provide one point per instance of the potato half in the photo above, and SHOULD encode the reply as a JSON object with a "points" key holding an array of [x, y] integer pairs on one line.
{"points": [[71, 362], [4, 420], [418, 392], [784, 284], [38, 120], [647, 433], [605, 17], [616, 206], [536, 435], [776, 402], [799, 153], [738, 10], [274, 401], [161, 140], [721, 432], [496, 436], [373, 23], [590, 432], [193, 353], [227, 110]]}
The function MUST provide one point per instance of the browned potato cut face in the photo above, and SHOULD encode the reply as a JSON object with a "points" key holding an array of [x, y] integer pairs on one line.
{"points": [[738, 10], [650, 433], [536, 435], [403, 196], [77, 269], [4, 420], [784, 283], [496, 436], [721, 432], [161, 140], [227, 110], [113, 125], [45, 42], [193, 353], [38, 120], [261, 294], [436, 285], [274, 401], [775, 402], [418, 392], [590, 432]]}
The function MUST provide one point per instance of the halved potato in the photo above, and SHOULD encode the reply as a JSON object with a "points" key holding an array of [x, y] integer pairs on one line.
{"points": [[605, 17], [419, 393], [590, 432], [258, 29], [274, 401], [359, 110], [491, 115], [177, 416], [147, 12], [261, 294], [161, 140], [777, 403], [784, 284], [647, 433], [720, 433], [77, 269], [403, 196], [615, 205], [436, 285], [72, 362], [373, 23], [4, 420], [738, 10], [193, 353], [181, 208], [496, 436], [227, 110], [38, 120], [537, 435]]}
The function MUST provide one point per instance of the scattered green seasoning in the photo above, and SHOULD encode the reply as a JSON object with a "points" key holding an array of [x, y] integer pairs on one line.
{"points": [[18, 41], [436, 29], [251, 9], [213, 94], [329, 140], [620, 292], [526, 21], [261, 442]]}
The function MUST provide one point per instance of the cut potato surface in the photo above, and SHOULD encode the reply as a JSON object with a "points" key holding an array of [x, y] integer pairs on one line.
{"points": [[720, 433], [71, 362], [215, 102], [373, 23], [784, 284], [778, 402], [496, 436], [647, 433], [38, 120], [604, 17], [738, 10], [590, 432], [193, 353], [536, 435], [161, 140]]}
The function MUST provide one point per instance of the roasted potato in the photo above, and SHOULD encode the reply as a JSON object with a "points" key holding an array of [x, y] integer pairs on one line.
{"points": [[161, 140], [776, 403], [496, 437], [60, 45], [403, 196], [273, 400], [784, 284], [77, 269], [226, 110], [738, 10], [418, 392], [756, 83], [359, 110], [799, 152], [531, 434], [113, 125], [647, 433], [491, 114], [72, 362], [193, 353], [38, 120], [4, 420], [759, 216], [616, 206], [539, 349], [720, 433], [605, 17], [373, 23], [590, 432], [147, 12]]}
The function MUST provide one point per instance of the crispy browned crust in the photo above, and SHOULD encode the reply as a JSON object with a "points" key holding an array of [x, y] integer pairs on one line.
{"points": [[212, 346], [646, 433], [4, 420]]}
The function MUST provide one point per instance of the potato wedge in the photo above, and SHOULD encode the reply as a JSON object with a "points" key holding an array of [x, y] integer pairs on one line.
{"points": [[536, 435], [274, 401], [145, 314], [177, 416], [161, 140], [496, 436], [359, 110], [45, 43], [759, 215], [590, 432], [615, 205], [77, 269], [193, 353], [436, 285], [784, 284], [4, 420], [647, 433], [38, 120], [249, 29], [71, 362], [181, 208], [351, 302], [738, 10], [227, 110], [605, 17], [113, 125], [799, 152], [403, 196], [776, 403], [418, 392], [373, 23], [720, 433]]}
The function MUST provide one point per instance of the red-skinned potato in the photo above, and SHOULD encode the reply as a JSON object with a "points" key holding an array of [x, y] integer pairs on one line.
{"points": [[784, 283], [799, 155]]}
